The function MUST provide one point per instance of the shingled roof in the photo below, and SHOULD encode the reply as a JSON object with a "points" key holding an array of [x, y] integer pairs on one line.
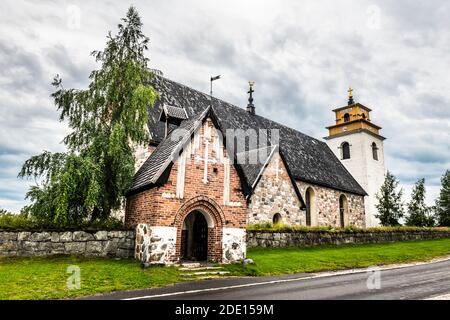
{"points": [[254, 162], [309, 160], [172, 112], [166, 153]]}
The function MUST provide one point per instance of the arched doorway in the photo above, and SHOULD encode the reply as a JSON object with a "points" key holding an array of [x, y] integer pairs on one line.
{"points": [[194, 242], [277, 219], [342, 210], [310, 206], [214, 217]]}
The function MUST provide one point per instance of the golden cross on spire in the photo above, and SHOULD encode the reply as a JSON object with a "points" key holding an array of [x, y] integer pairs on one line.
{"points": [[350, 92], [350, 96]]}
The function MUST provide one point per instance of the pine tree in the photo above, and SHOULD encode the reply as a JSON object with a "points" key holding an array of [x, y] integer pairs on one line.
{"points": [[389, 206], [443, 202], [107, 119], [418, 211]]}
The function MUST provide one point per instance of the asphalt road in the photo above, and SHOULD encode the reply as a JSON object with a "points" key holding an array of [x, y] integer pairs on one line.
{"points": [[412, 282]]}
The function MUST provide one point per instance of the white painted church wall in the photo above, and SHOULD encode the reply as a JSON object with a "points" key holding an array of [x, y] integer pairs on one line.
{"points": [[155, 245], [368, 172], [234, 244]]}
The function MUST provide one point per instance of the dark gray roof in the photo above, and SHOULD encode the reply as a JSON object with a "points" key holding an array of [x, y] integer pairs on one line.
{"points": [[251, 168], [254, 162], [166, 152], [307, 158], [173, 112]]}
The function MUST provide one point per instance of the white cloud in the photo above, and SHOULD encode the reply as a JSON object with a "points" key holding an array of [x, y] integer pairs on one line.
{"points": [[302, 55]]}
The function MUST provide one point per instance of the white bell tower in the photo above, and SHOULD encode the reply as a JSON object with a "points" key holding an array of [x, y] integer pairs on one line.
{"points": [[356, 141]]}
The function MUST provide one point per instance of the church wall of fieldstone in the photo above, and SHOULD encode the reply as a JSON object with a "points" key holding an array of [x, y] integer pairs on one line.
{"points": [[234, 243], [274, 193], [326, 206], [103, 243], [155, 245]]}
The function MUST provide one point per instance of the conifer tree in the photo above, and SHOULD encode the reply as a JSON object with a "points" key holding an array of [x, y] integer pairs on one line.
{"points": [[107, 119], [443, 202], [389, 206], [418, 211]]}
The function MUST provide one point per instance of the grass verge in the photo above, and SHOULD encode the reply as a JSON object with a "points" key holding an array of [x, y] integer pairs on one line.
{"points": [[46, 278], [275, 261]]}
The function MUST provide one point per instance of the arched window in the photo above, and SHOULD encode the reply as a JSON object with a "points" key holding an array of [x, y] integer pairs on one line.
{"points": [[342, 210], [346, 117], [374, 151], [345, 150], [310, 207], [277, 218], [364, 116]]}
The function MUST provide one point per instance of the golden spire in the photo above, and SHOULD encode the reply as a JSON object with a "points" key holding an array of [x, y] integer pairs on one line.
{"points": [[350, 96]]}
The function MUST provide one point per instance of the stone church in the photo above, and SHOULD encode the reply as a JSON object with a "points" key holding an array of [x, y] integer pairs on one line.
{"points": [[212, 168]]}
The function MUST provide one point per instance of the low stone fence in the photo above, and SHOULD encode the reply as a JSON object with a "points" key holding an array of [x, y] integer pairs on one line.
{"points": [[114, 244], [303, 239]]}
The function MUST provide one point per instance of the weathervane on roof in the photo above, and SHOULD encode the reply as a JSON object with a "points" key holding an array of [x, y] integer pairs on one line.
{"points": [[211, 82]]}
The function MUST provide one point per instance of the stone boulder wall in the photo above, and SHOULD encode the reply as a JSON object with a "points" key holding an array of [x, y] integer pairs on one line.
{"points": [[114, 244], [304, 239]]}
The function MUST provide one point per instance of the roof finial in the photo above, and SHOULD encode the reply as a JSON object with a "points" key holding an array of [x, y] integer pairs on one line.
{"points": [[350, 96], [250, 106]]}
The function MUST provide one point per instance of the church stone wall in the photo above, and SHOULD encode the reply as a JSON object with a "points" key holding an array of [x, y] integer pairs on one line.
{"points": [[326, 206], [305, 239], [155, 245], [113, 244], [274, 194], [234, 244], [367, 171]]}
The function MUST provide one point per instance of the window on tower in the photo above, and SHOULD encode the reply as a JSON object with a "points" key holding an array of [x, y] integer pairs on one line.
{"points": [[345, 147], [374, 151], [346, 117]]}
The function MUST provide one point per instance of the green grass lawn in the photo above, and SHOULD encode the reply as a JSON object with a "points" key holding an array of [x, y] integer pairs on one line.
{"points": [[273, 261], [46, 278]]}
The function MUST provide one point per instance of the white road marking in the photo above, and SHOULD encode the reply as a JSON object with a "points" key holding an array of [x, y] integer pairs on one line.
{"points": [[314, 276]]}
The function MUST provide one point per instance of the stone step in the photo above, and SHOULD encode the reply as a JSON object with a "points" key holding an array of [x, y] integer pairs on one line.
{"points": [[203, 273], [199, 268], [192, 265]]}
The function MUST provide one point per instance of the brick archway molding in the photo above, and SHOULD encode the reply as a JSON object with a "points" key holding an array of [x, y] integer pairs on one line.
{"points": [[215, 218]]}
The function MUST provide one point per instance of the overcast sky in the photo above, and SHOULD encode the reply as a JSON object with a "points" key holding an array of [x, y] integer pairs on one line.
{"points": [[303, 55]]}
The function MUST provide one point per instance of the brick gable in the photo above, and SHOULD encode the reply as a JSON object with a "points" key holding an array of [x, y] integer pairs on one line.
{"points": [[220, 196]]}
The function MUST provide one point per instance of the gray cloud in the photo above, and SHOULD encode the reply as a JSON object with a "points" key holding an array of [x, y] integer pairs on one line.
{"points": [[302, 55], [20, 69]]}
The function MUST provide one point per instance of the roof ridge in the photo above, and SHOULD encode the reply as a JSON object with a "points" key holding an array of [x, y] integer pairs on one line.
{"points": [[309, 159], [235, 106], [257, 149]]}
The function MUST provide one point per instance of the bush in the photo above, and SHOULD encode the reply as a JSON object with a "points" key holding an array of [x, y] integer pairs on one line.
{"points": [[269, 227], [14, 221], [10, 221]]}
